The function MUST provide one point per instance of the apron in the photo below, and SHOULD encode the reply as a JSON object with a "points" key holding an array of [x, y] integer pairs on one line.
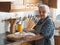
{"points": [[43, 40]]}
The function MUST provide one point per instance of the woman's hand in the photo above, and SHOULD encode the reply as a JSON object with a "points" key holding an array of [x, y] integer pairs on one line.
{"points": [[28, 38], [26, 30]]}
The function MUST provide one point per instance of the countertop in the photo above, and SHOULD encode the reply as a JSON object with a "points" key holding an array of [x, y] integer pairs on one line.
{"points": [[3, 41]]}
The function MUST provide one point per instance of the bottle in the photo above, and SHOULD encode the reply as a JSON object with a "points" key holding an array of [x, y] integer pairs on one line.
{"points": [[19, 27]]}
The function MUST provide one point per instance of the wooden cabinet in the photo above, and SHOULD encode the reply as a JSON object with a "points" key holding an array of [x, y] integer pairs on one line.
{"points": [[45, 1], [50, 3], [5, 6], [57, 40]]}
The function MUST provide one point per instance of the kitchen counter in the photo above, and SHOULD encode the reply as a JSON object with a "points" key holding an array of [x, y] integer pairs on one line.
{"points": [[5, 42]]}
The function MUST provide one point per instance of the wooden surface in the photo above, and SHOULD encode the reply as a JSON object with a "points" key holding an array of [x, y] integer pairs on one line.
{"points": [[4, 42], [50, 3], [5, 6], [57, 40]]}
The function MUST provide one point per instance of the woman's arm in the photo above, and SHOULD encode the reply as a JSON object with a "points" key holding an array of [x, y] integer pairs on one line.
{"points": [[32, 38]]}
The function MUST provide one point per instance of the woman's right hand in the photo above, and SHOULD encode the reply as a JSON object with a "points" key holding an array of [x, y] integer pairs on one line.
{"points": [[26, 30]]}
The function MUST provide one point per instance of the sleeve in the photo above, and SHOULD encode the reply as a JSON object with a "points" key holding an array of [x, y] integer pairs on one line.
{"points": [[47, 29]]}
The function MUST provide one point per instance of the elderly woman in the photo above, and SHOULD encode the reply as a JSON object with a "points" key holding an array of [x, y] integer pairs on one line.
{"points": [[44, 29]]}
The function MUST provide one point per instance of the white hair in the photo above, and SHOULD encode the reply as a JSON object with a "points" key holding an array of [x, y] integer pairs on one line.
{"points": [[46, 7]]}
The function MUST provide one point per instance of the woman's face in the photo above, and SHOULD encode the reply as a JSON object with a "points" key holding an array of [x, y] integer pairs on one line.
{"points": [[42, 13]]}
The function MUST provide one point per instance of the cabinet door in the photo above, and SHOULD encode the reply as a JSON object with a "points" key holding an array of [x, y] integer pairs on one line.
{"points": [[45, 1], [56, 40], [5, 6], [50, 3]]}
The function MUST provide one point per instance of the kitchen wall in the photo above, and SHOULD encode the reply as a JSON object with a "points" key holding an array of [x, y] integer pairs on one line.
{"points": [[4, 26]]}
